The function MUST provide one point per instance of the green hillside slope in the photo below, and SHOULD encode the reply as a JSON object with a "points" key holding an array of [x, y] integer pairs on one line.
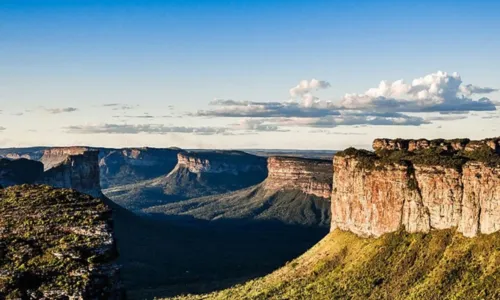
{"points": [[439, 265], [255, 203]]}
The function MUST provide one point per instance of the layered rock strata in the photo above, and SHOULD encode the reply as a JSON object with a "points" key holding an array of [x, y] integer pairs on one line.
{"points": [[76, 168], [418, 191], [233, 162], [205, 173], [311, 176], [56, 244]]}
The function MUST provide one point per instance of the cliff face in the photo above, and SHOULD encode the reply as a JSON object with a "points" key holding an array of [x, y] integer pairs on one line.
{"points": [[231, 162], [75, 168], [125, 166], [376, 194], [55, 156], [56, 244], [206, 173], [313, 177]]}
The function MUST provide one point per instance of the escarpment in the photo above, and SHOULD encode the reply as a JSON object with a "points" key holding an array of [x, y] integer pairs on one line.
{"points": [[418, 188], [213, 172], [130, 165], [310, 176], [296, 192], [56, 244], [75, 168]]}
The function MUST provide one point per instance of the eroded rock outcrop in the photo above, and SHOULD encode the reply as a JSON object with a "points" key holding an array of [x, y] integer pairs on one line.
{"points": [[417, 189], [56, 244], [55, 156], [452, 145], [310, 176], [75, 168]]}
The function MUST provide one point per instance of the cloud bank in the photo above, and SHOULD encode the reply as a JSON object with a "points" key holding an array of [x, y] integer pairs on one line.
{"points": [[143, 128], [388, 104], [437, 92]]}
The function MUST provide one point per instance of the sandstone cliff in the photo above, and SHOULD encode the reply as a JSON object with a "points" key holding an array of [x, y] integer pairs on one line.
{"points": [[296, 192], [213, 172], [310, 176], [75, 168], [417, 187], [131, 165], [56, 244]]}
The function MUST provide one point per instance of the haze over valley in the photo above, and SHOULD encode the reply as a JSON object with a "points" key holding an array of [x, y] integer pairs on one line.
{"points": [[249, 150]]}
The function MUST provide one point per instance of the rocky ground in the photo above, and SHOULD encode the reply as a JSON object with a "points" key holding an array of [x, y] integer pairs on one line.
{"points": [[57, 244]]}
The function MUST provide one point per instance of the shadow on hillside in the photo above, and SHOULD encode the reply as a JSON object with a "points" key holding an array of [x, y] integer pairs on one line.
{"points": [[163, 258]]}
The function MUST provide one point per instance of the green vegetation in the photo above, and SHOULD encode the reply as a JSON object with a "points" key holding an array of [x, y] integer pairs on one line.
{"points": [[433, 156], [51, 241], [439, 265]]}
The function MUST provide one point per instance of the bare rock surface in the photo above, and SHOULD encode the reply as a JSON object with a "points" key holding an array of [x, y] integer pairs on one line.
{"points": [[75, 168], [311, 176], [418, 188]]}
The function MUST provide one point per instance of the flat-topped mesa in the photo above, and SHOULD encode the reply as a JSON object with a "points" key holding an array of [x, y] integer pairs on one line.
{"points": [[453, 145], [377, 193], [131, 165], [54, 156], [233, 162], [78, 169], [311, 176], [204, 173]]}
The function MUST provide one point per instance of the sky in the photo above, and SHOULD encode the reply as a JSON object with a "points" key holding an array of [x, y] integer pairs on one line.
{"points": [[247, 74]]}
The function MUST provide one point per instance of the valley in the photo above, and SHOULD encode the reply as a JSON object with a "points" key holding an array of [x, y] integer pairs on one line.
{"points": [[413, 219]]}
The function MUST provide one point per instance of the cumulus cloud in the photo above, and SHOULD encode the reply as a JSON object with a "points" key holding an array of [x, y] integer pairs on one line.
{"points": [[144, 128], [304, 91], [60, 110], [437, 92]]}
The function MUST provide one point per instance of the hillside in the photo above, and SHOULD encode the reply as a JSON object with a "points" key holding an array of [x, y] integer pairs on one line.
{"points": [[439, 265], [296, 192], [56, 243], [131, 165], [196, 174], [252, 204]]}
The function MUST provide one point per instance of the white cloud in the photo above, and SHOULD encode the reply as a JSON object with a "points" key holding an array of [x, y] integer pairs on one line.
{"points": [[304, 91], [143, 128], [435, 92]]}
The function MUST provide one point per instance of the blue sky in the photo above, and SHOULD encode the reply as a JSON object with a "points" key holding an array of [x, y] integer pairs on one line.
{"points": [[134, 73]]}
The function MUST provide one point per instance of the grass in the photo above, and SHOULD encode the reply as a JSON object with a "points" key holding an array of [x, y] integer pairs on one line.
{"points": [[439, 265], [43, 246]]}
